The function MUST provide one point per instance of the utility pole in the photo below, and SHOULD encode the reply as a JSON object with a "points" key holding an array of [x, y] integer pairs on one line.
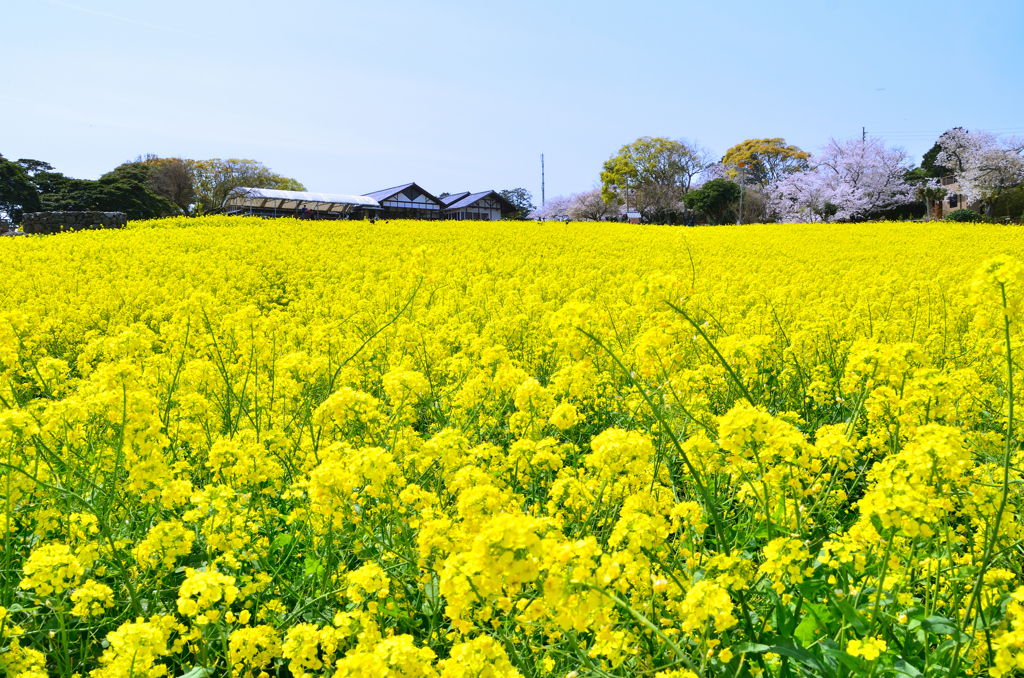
{"points": [[739, 219], [863, 134], [542, 201]]}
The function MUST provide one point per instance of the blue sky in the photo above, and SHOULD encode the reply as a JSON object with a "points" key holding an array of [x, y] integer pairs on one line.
{"points": [[351, 97]]}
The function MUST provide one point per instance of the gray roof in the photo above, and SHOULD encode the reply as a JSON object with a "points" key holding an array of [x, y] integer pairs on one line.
{"points": [[473, 197], [386, 193], [449, 199], [271, 198]]}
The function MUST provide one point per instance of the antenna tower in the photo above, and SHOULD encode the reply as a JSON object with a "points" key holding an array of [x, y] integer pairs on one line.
{"points": [[542, 180]]}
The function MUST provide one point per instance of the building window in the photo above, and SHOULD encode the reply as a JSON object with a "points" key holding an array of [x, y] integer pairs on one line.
{"points": [[952, 200]]}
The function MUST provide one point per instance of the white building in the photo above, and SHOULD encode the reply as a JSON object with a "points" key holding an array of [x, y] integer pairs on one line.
{"points": [[485, 206], [408, 201]]}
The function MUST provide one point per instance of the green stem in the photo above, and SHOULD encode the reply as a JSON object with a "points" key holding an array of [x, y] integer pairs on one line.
{"points": [[721, 358], [990, 543], [65, 653]]}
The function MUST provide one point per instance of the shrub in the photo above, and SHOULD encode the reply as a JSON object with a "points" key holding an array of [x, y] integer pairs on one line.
{"points": [[963, 215]]}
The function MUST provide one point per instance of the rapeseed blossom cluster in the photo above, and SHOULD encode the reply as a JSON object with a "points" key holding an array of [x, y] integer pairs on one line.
{"points": [[511, 450]]}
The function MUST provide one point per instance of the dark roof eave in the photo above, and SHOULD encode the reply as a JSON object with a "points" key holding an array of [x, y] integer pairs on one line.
{"points": [[386, 193]]}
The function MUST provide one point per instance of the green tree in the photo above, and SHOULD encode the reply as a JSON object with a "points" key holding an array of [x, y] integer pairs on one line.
{"points": [[765, 161], [930, 168], [522, 199], [108, 195], [715, 200], [17, 192], [652, 174], [213, 180], [929, 163], [929, 195], [169, 178], [34, 167], [123, 189], [43, 176]]}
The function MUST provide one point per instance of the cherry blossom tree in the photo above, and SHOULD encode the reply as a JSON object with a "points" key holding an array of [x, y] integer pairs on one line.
{"points": [[585, 206], [983, 164], [715, 170], [555, 209], [847, 181], [590, 206]]}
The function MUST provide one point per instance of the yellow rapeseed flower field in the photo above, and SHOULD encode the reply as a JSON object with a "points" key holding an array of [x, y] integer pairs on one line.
{"points": [[236, 447]]}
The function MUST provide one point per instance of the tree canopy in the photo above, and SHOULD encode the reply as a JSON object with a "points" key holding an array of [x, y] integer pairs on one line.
{"points": [[522, 199], [714, 199], [213, 180], [590, 206], [655, 171], [17, 192], [121, 190], [146, 187], [985, 165], [169, 178], [765, 161], [930, 164], [847, 181]]}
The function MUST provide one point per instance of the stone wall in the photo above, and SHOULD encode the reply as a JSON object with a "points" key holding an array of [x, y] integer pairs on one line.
{"points": [[56, 222]]}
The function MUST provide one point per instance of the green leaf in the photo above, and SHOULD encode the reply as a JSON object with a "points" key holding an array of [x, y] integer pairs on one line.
{"points": [[847, 660], [822, 614], [313, 567], [281, 541], [801, 655], [939, 626], [902, 668], [805, 630], [750, 648], [856, 619], [198, 672], [876, 522]]}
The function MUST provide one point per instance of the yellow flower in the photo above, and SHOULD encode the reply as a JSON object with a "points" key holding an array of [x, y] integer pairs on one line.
{"points": [[367, 582], [564, 416], [482, 656], [164, 544], [868, 648], [90, 599], [202, 590], [134, 651], [51, 569], [251, 649]]}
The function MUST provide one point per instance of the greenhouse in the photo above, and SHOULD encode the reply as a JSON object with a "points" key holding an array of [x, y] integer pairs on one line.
{"points": [[269, 202]]}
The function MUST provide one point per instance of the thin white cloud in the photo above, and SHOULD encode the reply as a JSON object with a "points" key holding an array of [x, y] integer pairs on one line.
{"points": [[120, 18]]}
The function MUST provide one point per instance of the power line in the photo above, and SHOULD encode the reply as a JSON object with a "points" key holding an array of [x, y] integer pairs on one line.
{"points": [[912, 133]]}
